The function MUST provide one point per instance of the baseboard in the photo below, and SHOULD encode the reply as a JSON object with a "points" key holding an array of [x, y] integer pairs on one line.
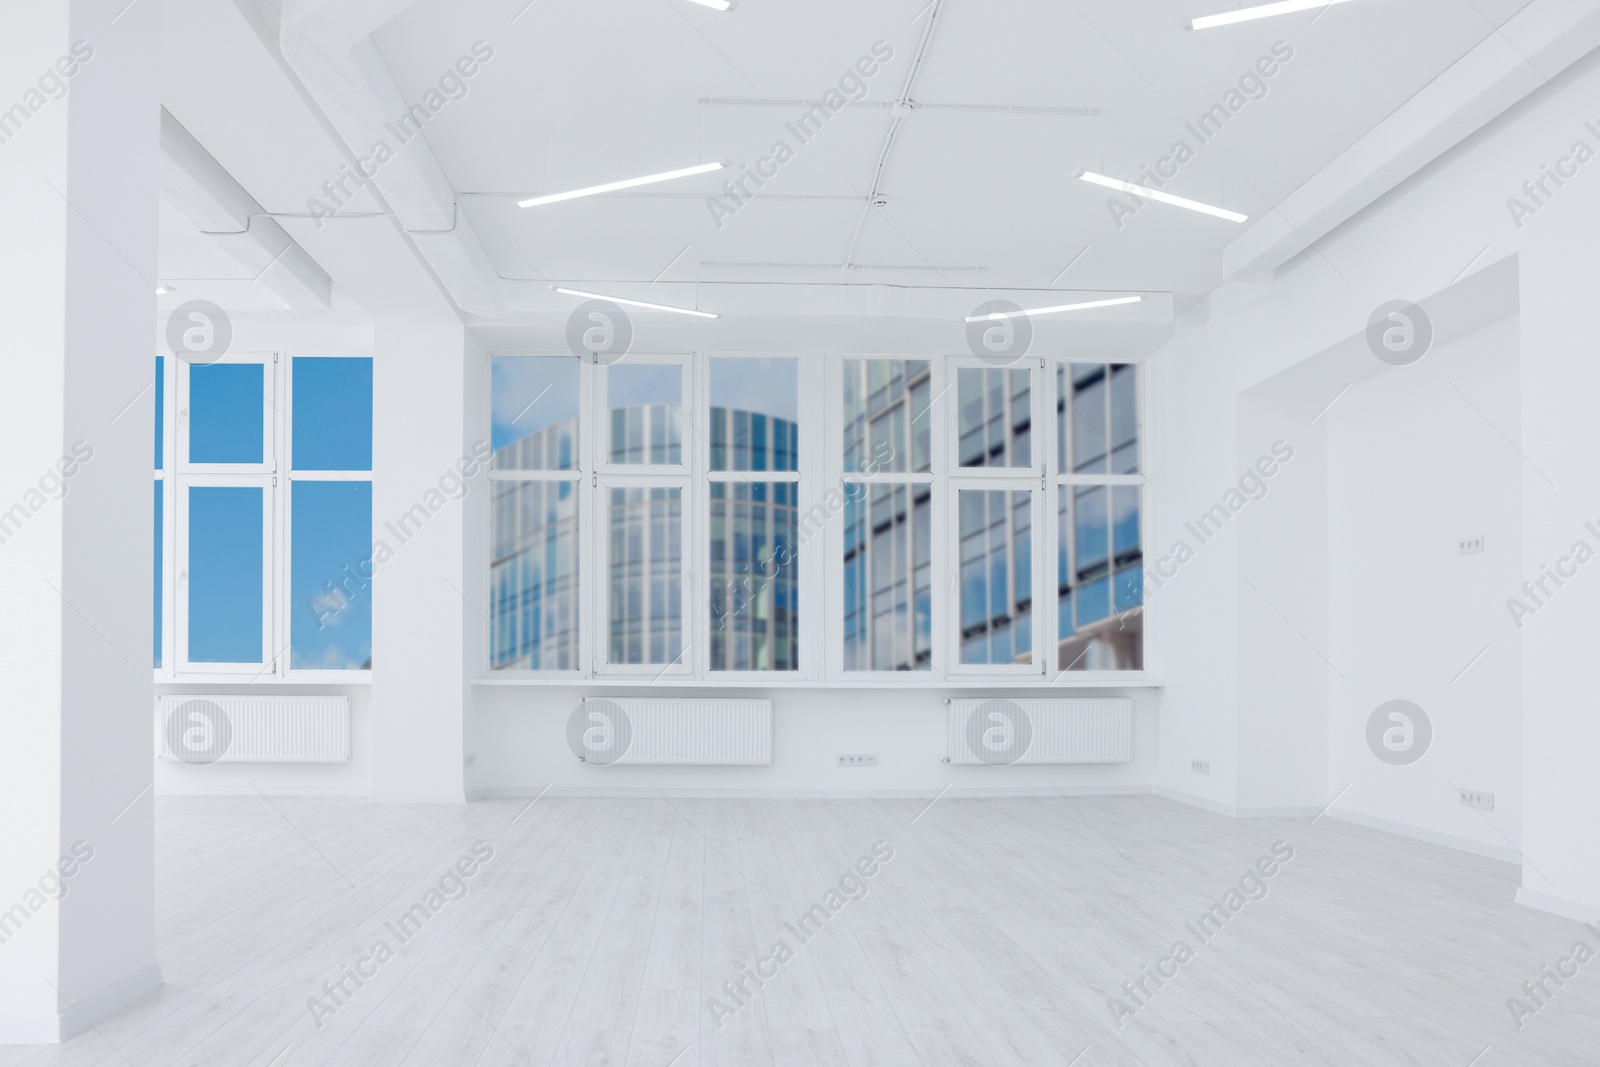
{"points": [[1503, 853], [1216, 807], [925, 793], [1549, 902], [1283, 811], [418, 798], [248, 790], [56, 1028]]}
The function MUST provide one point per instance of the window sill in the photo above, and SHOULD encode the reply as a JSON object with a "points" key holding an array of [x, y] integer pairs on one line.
{"points": [[933, 684], [201, 681]]}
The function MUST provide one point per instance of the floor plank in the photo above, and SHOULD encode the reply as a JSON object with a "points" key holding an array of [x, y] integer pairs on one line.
{"points": [[641, 933]]}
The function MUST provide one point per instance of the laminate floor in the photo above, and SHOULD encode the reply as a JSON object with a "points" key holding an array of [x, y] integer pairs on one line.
{"points": [[650, 933]]}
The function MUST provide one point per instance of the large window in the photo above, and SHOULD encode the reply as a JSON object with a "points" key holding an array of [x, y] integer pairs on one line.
{"points": [[887, 573], [1099, 558], [752, 519], [263, 516]]}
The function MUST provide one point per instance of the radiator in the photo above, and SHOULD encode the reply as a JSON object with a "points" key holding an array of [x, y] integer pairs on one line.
{"points": [[252, 729], [1001, 732], [687, 731]]}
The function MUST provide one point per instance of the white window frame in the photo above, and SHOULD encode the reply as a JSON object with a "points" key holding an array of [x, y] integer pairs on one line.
{"points": [[275, 479], [587, 447], [808, 376], [940, 394], [821, 378], [1062, 479], [608, 476], [1029, 479]]}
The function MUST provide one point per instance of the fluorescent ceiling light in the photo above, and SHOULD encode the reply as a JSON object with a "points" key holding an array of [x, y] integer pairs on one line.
{"points": [[635, 303], [994, 315], [163, 290], [720, 5], [1165, 198], [628, 183], [1260, 11]]}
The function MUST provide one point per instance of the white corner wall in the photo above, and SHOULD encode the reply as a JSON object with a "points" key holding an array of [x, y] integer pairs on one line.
{"points": [[1412, 468], [1440, 231]]}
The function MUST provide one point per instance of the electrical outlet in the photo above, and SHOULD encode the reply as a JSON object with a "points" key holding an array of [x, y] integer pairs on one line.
{"points": [[1468, 545], [1200, 766], [1472, 798], [858, 759]]}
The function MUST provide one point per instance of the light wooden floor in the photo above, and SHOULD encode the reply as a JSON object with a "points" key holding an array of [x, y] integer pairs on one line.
{"points": [[994, 936]]}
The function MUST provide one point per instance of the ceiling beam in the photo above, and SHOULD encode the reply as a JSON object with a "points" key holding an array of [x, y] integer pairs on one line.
{"points": [[205, 193], [1524, 54]]}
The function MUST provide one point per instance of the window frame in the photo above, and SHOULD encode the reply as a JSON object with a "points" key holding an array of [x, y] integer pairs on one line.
{"points": [[838, 477], [275, 477], [1064, 479], [821, 462], [807, 377]]}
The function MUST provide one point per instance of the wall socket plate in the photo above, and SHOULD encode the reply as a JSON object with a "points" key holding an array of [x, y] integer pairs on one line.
{"points": [[1468, 545], [858, 759], [1200, 766], [1473, 798]]}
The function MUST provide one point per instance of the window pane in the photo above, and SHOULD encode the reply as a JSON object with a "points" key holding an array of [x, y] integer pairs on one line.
{"points": [[161, 411], [160, 525], [886, 423], [225, 560], [1097, 423], [535, 413], [332, 413], [996, 575], [1099, 565], [227, 409], [754, 602], [534, 577], [888, 577], [755, 414], [330, 575], [645, 590], [644, 401], [995, 420]]}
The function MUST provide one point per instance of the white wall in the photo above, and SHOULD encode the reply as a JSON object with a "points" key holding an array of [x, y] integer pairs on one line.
{"points": [[521, 747], [1412, 468], [1439, 230]]}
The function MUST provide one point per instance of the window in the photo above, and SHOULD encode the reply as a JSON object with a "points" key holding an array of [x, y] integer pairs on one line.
{"points": [[645, 491], [534, 473], [887, 572], [753, 529], [263, 516], [1099, 554], [747, 520]]}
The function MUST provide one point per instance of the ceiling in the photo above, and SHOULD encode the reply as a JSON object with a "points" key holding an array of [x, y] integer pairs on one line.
{"points": [[580, 92]]}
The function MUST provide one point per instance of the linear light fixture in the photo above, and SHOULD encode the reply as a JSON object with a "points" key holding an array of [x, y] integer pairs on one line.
{"points": [[635, 303], [1260, 11], [1165, 198], [627, 183], [996, 315], [720, 5]]}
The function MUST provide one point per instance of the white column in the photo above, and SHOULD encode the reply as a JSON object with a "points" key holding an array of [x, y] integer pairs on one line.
{"points": [[421, 465], [79, 137], [1560, 271]]}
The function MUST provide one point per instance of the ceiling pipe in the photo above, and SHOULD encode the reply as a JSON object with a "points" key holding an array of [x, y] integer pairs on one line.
{"points": [[208, 196], [900, 109]]}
